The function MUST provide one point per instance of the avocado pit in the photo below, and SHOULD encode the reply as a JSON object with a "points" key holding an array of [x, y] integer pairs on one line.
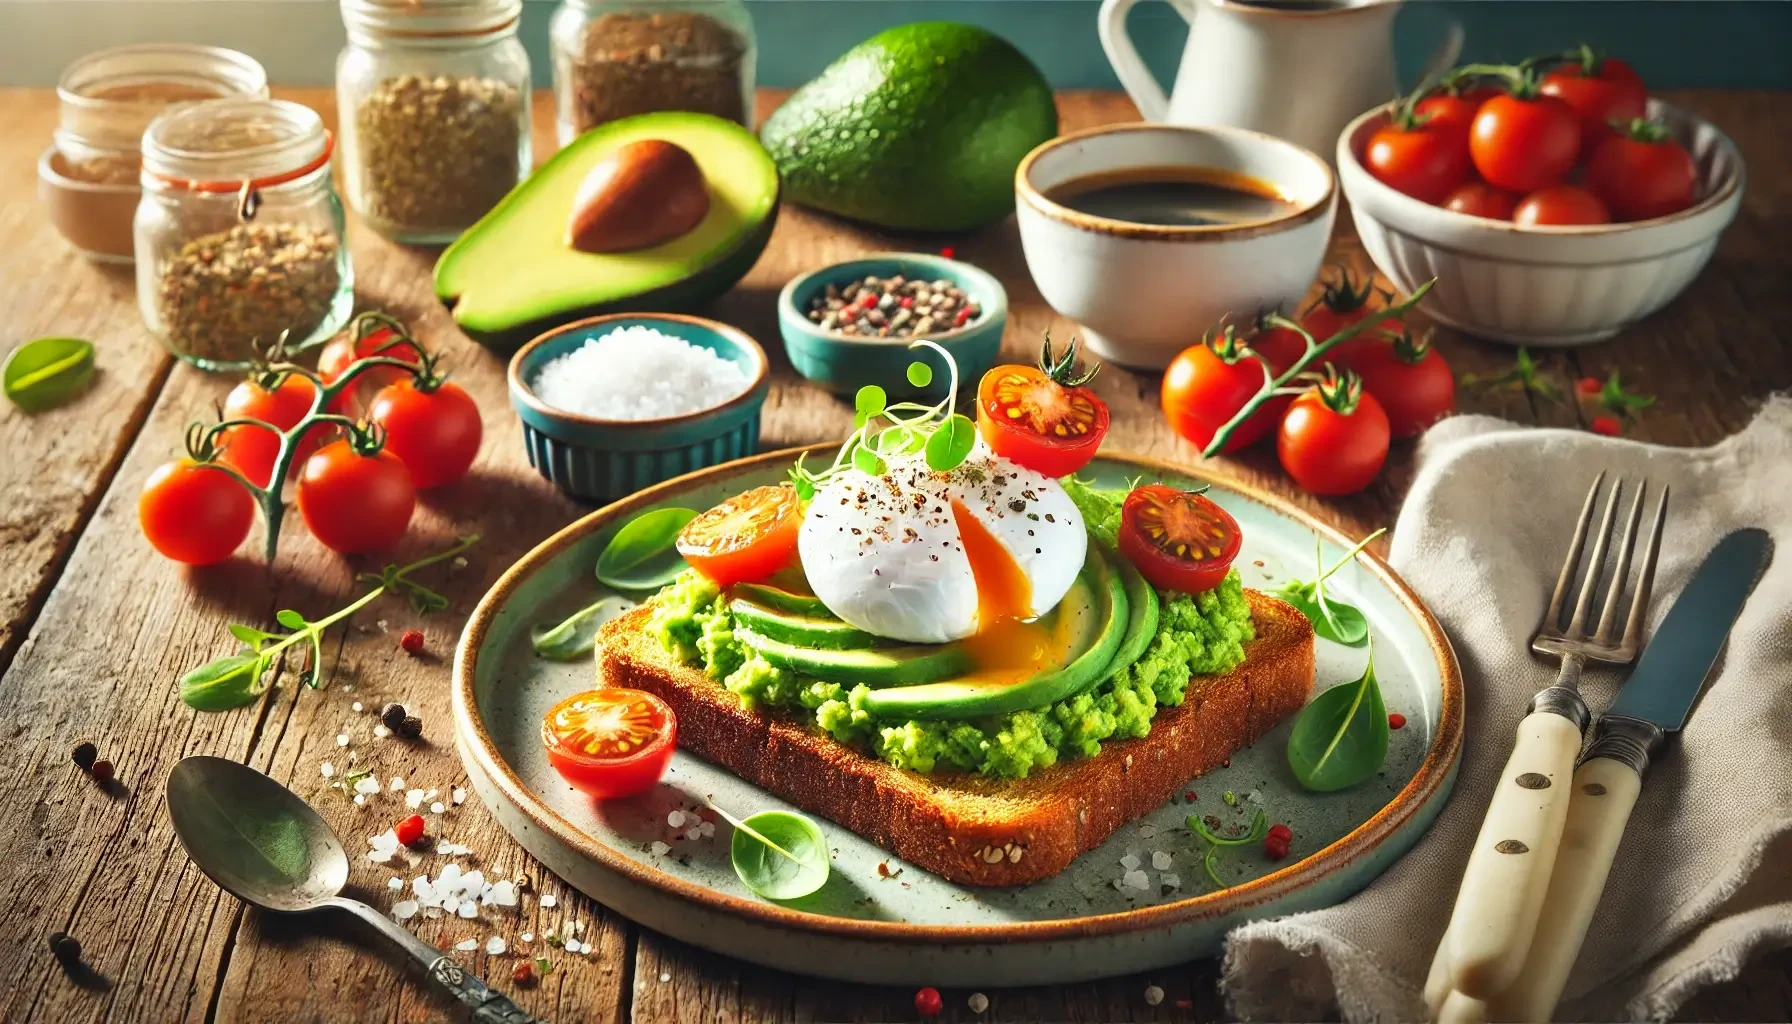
{"points": [[642, 194]]}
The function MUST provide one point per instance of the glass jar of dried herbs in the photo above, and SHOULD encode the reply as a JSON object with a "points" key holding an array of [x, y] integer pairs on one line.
{"points": [[434, 101], [617, 58], [239, 234]]}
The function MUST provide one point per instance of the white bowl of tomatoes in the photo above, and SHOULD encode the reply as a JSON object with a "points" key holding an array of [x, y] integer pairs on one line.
{"points": [[1548, 216]]}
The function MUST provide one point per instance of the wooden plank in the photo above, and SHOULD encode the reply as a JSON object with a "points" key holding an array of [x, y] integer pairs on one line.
{"points": [[57, 462]]}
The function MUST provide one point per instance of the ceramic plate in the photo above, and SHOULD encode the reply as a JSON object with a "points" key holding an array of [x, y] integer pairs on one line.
{"points": [[903, 925]]}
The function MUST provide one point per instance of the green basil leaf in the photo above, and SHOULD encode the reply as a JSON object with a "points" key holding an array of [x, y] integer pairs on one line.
{"points": [[780, 855], [950, 443], [867, 461], [252, 636], [290, 619], [641, 556], [224, 683], [48, 372], [868, 404], [920, 374], [1341, 737], [577, 636]]}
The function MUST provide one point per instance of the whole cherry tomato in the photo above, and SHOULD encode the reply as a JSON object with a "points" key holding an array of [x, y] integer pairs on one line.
{"points": [[1643, 173], [1177, 540], [1560, 204], [343, 350], [432, 426], [612, 742], [746, 538], [193, 514], [355, 496], [1524, 143], [1449, 110], [1410, 380], [1600, 91], [1206, 385], [1334, 439], [1422, 159], [1042, 417], [276, 398], [1479, 199], [1343, 302]]}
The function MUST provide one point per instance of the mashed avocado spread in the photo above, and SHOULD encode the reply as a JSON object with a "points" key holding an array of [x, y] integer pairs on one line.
{"points": [[1200, 634]]}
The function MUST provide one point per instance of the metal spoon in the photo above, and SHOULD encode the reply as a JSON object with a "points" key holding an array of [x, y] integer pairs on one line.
{"points": [[264, 845]]}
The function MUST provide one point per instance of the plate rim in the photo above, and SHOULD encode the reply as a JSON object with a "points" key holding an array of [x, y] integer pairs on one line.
{"points": [[1432, 777]]}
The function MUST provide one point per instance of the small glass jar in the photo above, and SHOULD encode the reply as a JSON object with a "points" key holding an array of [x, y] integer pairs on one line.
{"points": [[239, 234], [616, 58], [87, 179], [433, 97]]}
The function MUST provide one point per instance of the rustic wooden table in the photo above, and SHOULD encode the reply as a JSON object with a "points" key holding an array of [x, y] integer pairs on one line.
{"points": [[95, 628]]}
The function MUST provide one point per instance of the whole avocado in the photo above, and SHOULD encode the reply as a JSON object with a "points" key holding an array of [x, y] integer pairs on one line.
{"points": [[918, 127]]}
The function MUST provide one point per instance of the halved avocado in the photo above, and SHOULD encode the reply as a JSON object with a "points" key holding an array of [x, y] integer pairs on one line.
{"points": [[1142, 612], [1097, 593], [781, 599], [512, 275], [816, 632], [880, 666]]}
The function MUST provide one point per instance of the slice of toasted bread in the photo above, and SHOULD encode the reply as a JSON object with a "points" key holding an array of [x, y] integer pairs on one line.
{"points": [[963, 826]]}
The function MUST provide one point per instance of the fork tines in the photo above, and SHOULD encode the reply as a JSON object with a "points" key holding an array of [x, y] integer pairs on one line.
{"points": [[1555, 637]]}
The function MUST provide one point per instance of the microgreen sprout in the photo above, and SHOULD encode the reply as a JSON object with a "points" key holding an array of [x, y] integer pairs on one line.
{"points": [[1216, 842]]}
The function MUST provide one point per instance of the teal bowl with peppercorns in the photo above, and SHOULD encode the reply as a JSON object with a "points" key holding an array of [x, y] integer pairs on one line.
{"points": [[831, 349]]}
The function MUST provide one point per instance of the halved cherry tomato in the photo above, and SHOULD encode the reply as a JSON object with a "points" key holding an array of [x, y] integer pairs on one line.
{"points": [[1177, 540], [1042, 417], [611, 742], [1561, 204], [1522, 144], [1600, 91], [1643, 173], [354, 500], [1206, 385], [279, 399], [343, 350], [1410, 380], [1334, 439], [1479, 199], [746, 538], [193, 514], [1425, 160]]}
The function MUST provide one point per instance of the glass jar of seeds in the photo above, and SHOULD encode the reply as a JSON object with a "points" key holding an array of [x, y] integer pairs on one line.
{"points": [[616, 58], [239, 234], [434, 103]]}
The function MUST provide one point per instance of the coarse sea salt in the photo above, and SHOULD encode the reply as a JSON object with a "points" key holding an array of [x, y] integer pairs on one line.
{"points": [[638, 373]]}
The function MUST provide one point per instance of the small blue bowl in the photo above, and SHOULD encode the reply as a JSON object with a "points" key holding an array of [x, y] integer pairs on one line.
{"points": [[843, 363], [601, 460]]}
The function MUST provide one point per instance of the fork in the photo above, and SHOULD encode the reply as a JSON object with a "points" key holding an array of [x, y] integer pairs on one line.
{"points": [[1501, 897]]}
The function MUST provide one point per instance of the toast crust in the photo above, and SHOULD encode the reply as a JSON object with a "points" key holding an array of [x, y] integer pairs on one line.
{"points": [[963, 826]]}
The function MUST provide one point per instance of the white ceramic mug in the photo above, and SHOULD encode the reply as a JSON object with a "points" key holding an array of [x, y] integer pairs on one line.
{"points": [[1298, 71], [1144, 292]]}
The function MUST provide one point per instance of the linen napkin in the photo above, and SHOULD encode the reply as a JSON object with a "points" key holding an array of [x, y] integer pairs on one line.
{"points": [[1701, 880]]}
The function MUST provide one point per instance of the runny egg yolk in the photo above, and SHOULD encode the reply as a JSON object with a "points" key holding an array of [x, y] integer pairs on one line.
{"points": [[1009, 645]]}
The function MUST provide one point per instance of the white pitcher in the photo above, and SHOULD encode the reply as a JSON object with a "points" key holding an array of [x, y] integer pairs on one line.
{"points": [[1298, 70]]}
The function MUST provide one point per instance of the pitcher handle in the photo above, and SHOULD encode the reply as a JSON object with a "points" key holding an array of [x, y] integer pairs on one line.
{"points": [[1134, 76], [1444, 57]]}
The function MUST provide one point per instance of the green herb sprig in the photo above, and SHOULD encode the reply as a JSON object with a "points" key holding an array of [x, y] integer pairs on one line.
{"points": [[576, 637], [1216, 842], [237, 679], [48, 372], [636, 558], [1334, 620], [1524, 377], [1341, 737]]}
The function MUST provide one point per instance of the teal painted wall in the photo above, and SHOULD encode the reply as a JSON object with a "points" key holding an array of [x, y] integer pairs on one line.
{"points": [[1725, 43]]}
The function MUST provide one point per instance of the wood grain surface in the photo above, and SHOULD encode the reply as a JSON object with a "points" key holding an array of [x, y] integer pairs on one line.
{"points": [[95, 629]]}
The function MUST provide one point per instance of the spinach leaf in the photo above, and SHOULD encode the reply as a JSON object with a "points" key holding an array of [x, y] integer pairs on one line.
{"points": [[577, 636], [641, 555], [224, 683], [1341, 737], [951, 443], [780, 855], [1333, 620], [48, 372]]}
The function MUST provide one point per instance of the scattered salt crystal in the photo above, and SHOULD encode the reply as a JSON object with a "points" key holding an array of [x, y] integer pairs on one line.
{"points": [[1255, 796], [578, 927], [665, 977], [695, 832], [675, 819], [1136, 879], [571, 945], [404, 910], [460, 561], [1147, 831], [368, 785], [978, 1002], [469, 910], [381, 732], [342, 739], [659, 848], [1153, 995], [382, 624], [360, 799], [1130, 862], [495, 945], [460, 795], [709, 829], [431, 795], [436, 808], [1170, 880], [638, 373], [527, 936], [1160, 860], [397, 784], [395, 883], [384, 846], [356, 707], [548, 900], [328, 769], [413, 798], [1120, 884], [467, 945], [502, 894]]}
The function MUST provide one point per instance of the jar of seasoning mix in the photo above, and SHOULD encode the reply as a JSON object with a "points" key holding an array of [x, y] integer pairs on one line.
{"points": [[87, 179], [434, 101], [617, 58], [239, 234]]}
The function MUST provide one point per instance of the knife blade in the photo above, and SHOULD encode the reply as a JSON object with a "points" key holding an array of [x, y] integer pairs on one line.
{"points": [[1672, 669]]}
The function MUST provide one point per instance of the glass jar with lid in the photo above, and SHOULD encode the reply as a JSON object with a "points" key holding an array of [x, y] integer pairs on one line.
{"points": [[239, 234], [433, 97], [87, 179], [616, 58]]}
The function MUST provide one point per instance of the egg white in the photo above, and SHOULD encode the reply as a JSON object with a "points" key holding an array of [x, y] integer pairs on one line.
{"points": [[884, 552]]}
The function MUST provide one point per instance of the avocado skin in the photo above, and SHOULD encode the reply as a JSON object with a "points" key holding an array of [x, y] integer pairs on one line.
{"points": [[955, 109], [816, 632], [1143, 610], [779, 599], [885, 666]]}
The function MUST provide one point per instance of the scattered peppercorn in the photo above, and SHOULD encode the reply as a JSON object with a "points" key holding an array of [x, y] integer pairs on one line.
{"points": [[1189, 796], [1275, 842], [524, 973], [1396, 720], [1607, 426], [948, 252], [1588, 386], [66, 947], [409, 830], [103, 771], [928, 1002], [411, 727], [392, 716], [412, 641], [84, 755]]}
